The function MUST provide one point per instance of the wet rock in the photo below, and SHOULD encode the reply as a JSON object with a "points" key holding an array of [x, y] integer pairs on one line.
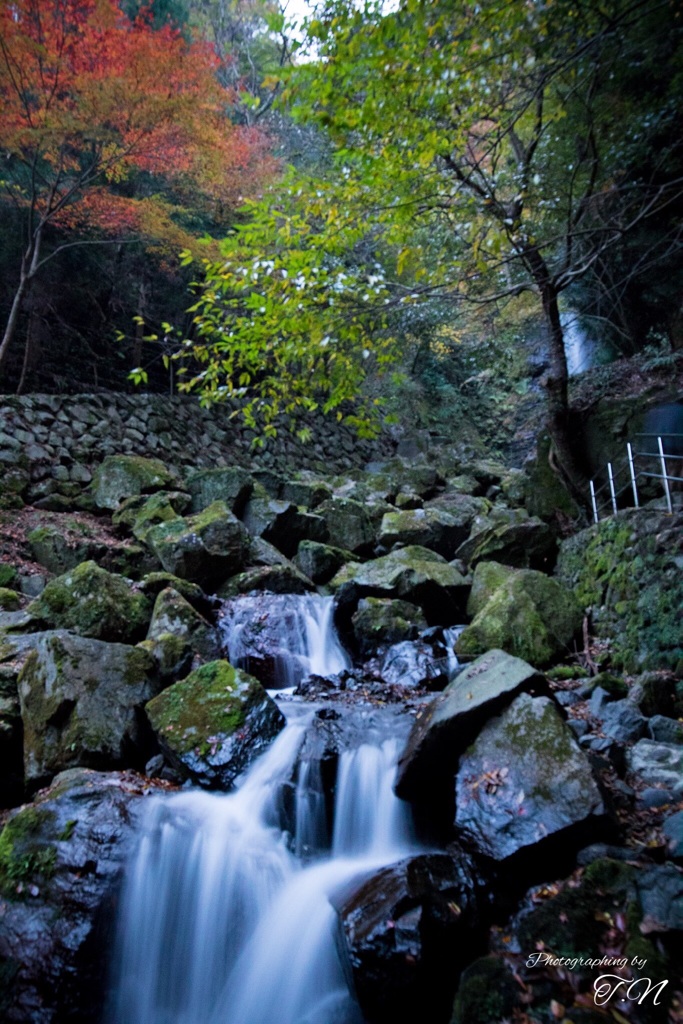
{"points": [[524, 784], [487, 992], [413, 663], [122, 476], [529, 615], [525, 544], [659, 764], [450, 723], [212, 725], [277, 579], [320, 562], [379, 621], [413, 574], [80, 704], [94, 603], [349, 524], [652, 797], [231, 485], [408, 930], [621, 721], [429, 527], [660, 890], [175, 616], [281, 523], [60, 860], [140, 513], [205, 548], [665, 730]]}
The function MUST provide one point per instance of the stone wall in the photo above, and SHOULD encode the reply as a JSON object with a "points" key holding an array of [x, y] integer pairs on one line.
{"points": [[49, 443]]}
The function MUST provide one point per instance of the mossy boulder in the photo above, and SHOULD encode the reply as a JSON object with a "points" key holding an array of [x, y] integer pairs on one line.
{"points": [[281, 523], [9, 600], [231, 484], [413, 574], [8, 575], [320, 562], [626, 570], [93, 602], [141, 512], [204, 548], [174, 615], [486, 579], [431, 527], [61, 546], [524, 786], [154, 582], [80, 704], [379, 621], [487, 992], [212, 725], [308, 492], [529, 615], [123, 476], [277, 579], [526, 542], [349, 524], [11, 744]]}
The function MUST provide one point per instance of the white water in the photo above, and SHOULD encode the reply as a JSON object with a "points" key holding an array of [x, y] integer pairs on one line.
{"points": [[300, 633], [221, 924]]}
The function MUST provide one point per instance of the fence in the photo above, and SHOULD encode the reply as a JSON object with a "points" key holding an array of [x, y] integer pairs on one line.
{"points": [[608, 495]]}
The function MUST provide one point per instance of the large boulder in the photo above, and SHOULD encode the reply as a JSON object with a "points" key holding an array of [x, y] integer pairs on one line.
{"points": [[277, 579], [526, 543], [60, 860], [432, 528], [524, 789], [408, 930], [232, 484], [320, 562], [174, 615], [281, 523], [204, 548], [122, 476], [140, 513], [306, 490], [11, 729], [379, 621], [415, 663], [413, 574], [446, 728], [62, 545], [349, 524], [212, 725], [80, 704], [93, 602], [529, 615], [658, 764]]}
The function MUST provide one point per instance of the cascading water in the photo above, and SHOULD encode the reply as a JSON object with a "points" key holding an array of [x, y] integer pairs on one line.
{"points": [[222, 924], [293, 633]]}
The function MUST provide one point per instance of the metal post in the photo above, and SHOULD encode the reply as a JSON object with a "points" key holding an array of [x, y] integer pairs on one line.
{"points": [[596, 517], [611, 487], [665, 475], [632, 469]]}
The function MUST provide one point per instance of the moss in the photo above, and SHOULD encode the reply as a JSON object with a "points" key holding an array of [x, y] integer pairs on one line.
{"points": [[487, 993], [9, 600], [25, 856], [68, 830], [8, 575]]}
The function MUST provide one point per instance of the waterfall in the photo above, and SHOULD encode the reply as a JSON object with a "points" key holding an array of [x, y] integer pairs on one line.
{"points": [[294, 633], [222, 924]]}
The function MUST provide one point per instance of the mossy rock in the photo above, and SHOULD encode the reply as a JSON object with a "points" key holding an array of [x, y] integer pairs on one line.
{"points": [[26, 859], [141, 512], [378, 621], [277, 579], [205, 548], [349, 524], [9, 600], [154, 582], [212, 725], [174, 615], [320, 562], [525, 542], [232, 485], [95, 603], [8, 575], [487, 578], [487, 993], [529, 615], [123, 476]]}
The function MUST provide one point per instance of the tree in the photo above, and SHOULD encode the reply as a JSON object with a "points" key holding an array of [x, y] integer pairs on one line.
{"points": [[484, 149], [93, 104]]}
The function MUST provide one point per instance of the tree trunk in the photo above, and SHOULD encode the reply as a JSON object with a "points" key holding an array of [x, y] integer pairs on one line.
{"points": [[29, 267]]}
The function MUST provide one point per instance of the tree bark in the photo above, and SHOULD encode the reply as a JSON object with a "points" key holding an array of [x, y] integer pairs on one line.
{"points": [[29, 267]]}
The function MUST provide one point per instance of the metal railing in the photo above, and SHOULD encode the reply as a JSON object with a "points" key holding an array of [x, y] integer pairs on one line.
{"points": [[609, 493]]}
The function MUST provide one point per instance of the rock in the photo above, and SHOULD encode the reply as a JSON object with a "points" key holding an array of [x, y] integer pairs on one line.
{"points": [[659, 764], [122, 476], [320, 562], [263, 553], [408, 930], [652, 797], [612, 687], [526, 544], [625, 570], [11, 729], [487, 578], [93, 602], [621, 721], [530, 615], [140, 513], [665, 730], [309, 493], [451, 722], [80, 705], [414, 663], [429, 527], [653, 694], [673, 833], [60, 860], [379, 621], [349, 525], [232, 485], [205, 548], [212, 725], [413, 574], [524, 785], [277, 579], [154, 582], [173, 614], [62, 546], [487, 992], [281, 523], [9, 600], [660, 890], [9, 577]]}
